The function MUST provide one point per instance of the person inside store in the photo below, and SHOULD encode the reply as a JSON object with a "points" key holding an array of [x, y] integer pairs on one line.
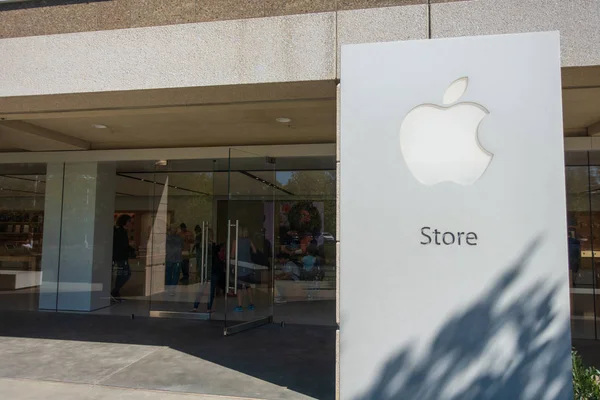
{"points": [[290, 242], [173, 259], [263, 256], [303, 226], [289, 271], [217, 274], [574, 257], [311, 264], [188, 241], [123, 250], [246, 276]]}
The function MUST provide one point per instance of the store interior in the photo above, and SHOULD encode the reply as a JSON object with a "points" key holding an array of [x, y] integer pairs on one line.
{"points": [[284, 205], [582, 175]]}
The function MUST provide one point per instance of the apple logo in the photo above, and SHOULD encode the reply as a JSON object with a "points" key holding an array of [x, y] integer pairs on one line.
{"points": [[440, 143]]}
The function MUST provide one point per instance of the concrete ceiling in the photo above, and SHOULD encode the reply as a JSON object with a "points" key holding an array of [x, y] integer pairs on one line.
{"points": [[219, 116], [581, 111], [312, 121], [181, 117], [581, 100]]}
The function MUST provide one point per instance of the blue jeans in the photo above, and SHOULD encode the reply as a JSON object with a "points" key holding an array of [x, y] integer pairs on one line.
{"points": [[215, 280], [185, 268], [172, 273]]}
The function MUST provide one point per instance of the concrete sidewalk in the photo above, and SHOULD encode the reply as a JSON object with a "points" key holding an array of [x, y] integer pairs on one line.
{"points": [[74, 356], [23, 389], [149, 355]]}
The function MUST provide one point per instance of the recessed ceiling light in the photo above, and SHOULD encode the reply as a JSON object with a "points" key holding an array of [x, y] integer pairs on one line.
{"points": [[99, 126], [283, 120], [161, 163]]}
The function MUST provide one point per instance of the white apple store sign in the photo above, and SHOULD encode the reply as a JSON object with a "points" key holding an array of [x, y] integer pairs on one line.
{"points": [[453, 242]]}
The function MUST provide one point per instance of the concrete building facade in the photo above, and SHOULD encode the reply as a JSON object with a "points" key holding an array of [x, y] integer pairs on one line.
{"points": [[214, 123]]}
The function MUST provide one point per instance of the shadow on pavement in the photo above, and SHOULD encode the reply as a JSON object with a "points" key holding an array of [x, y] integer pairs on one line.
{"points": [[301, 358]]}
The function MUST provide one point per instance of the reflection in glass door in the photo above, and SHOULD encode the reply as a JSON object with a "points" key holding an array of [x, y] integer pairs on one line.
{"points": [[25, 228], [583, 193], [250, 238], [181, 240]]}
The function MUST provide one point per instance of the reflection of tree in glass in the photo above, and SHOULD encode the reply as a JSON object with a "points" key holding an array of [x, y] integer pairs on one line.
{"points": [[304, 217], [594, 178], [312, 183], [581, 180], [577, 185], [583, 204], [190, 197], [315, 185], [194, 182]]}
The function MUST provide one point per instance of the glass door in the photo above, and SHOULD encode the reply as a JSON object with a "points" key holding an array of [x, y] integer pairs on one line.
{"points": [[180, 238], [250, 240]]}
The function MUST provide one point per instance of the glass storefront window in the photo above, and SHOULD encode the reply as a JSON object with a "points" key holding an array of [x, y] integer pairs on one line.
{"points": [[580, 252], [22, 218], [583, 219], [60, 224], [305, 245]]}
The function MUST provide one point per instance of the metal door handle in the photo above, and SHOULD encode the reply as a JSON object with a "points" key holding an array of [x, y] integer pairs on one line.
{"points": [[237, 255], [206, 254], [202, 256], [228, 256]]}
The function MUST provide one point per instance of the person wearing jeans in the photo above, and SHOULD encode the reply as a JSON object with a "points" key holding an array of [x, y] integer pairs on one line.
{"points": [[246, 276], [172, 271], [187, 241], [217, 275], [122, 250], [174, 249]]}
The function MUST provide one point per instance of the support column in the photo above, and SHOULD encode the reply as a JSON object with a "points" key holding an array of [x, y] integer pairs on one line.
{"points": [[84, 269], [51, 237]]}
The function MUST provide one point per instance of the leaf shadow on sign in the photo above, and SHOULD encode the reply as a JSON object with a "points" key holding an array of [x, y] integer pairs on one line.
{"points": [[539, 366]]}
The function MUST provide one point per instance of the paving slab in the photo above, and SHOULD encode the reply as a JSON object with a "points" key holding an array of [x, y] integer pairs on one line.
{"points": [[66, 360], [34, 390], [269, 362], [172, 370]]}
